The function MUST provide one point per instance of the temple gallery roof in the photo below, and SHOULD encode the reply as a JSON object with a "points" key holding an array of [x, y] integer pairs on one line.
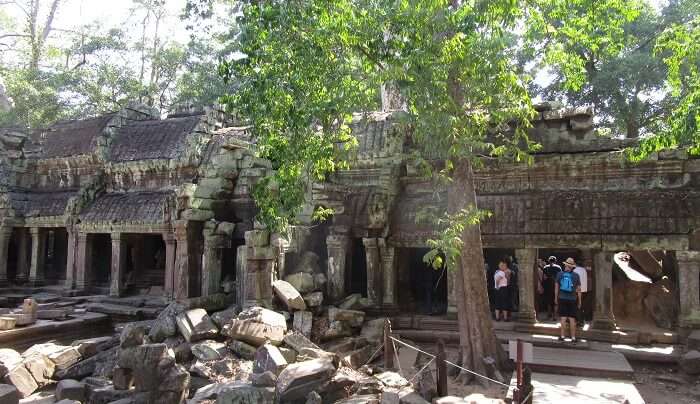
{"points": [[72, 138], [134, 207], [36, 204], [152, 139]]}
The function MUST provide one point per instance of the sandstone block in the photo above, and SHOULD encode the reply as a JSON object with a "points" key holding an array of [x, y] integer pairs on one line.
{"points": [[9, 358], [240, 348], [265, 379], [196, 325], [354, 318], [65, 358], [289, 354], [209, 350], [256, 325], [373, 330], [41, 368], [165, 325], [221, 318], [7, 323], [257, 238], [122, 378], [297, 380], [313, 299], [246, 394], [269, 358], [288, 295], [336, 329], [298, 341], [303, 321], [320, 281], [71, 390], [20, 377], [132, 335], [52, 314], [690, 362], [303, 282]]}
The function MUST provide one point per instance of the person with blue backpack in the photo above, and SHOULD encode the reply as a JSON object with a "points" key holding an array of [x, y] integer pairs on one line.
{"points": [[567, 294]]}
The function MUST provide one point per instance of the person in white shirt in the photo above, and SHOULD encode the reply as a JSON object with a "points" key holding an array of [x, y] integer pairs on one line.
{"points": [[583, 276], [501, 280]]}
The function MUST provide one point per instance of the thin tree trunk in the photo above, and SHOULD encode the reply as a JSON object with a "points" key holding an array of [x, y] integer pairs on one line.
{"points": [[477, 339]]}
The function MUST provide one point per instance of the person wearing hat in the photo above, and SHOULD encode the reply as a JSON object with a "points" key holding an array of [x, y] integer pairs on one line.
{"points": [[567, 292], [549, 273]]}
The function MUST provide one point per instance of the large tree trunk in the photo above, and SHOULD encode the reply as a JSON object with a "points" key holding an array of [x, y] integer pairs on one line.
{"points": [[477, 339]]}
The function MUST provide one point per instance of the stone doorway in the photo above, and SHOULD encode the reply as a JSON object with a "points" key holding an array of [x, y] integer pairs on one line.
{"points": [[56, 257], [101, 260], [356, 276], [144, 271], [422, 289]]}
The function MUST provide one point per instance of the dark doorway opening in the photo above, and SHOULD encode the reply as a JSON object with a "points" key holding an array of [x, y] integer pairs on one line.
{"points": [[56, 256], [228, 260], [356, 276], [12, 257], [101, 261], [145, 264], [422, 288]]}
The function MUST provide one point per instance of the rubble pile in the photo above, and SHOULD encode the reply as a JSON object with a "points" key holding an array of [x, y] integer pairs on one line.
{"points": [[194, 352]]}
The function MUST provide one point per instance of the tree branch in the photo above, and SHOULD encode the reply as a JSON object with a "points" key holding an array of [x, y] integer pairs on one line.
{"points": [[49, 20]]}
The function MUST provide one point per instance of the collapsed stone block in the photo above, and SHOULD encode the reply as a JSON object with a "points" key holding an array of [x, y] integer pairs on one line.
{"points": [[246, 393], [20, 377], [288, 295], [298, 341], [41, 368], [132, 335], [209, 350], [88, 347], [122, 378], [289, 354], [71, 390], [269, 358], [354, 318], [301, 281], [336, 329], [313, 299], [297, 380], [196, 325], [9, 358], [144, 361], [303, 321], [690, 362], [240, 348], [165, 325], [265, 379], [221, 318], [256, 325], [373, 330]]}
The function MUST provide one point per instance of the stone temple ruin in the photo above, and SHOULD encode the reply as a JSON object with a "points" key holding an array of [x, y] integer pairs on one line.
{"points": [[130, 205]]}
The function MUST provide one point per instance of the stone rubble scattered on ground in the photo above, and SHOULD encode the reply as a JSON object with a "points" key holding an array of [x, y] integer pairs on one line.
{"points": [[205, 350]]}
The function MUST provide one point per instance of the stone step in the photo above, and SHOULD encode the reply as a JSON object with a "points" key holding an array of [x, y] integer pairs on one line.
{"points": [[123, 310]]}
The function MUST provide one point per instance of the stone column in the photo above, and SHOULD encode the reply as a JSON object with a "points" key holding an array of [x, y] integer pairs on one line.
{"points": [[689, 288], [211, 264], [5, 234], [603, 316], [374, 271], [170, 247], [258, 269], [527, 258], [71, 250], [181, 274], [337, 245], [118, 264], [22, 255], [389, 275], [83, 262], [36, 269], [451, 293]]}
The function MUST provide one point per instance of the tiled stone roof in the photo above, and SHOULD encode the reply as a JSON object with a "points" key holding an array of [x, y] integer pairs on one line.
{"points": [[72, 138], [134, 207], [153, 139], [45, 203]]}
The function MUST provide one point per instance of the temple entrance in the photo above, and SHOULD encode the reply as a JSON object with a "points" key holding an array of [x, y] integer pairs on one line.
{"points": [[101, 246], [228, 260], [356, 277], [12, 255], [145, 264], [56, 251], [422, 289]]}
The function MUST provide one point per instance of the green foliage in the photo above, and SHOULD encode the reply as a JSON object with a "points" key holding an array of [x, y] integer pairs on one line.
{"points": [[680, 44]]}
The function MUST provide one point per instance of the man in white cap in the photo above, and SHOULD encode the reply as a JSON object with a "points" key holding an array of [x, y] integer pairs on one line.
{"points": [[567, 293]]}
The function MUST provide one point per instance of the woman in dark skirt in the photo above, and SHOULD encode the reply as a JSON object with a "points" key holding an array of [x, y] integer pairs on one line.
{"points": [[502, 296]]}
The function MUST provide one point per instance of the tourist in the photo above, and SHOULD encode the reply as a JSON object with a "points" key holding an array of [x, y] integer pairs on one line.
{"points": [[550, 272], [513, 292], [567, 292], [501, 279], [584, 309]]}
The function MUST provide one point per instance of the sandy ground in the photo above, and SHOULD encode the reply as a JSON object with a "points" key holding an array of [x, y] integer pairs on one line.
{"points": [[664, 384]]}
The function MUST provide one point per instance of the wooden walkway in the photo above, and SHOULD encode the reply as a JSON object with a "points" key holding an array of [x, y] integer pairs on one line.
{"points": [[550, 388], [577, 362]]}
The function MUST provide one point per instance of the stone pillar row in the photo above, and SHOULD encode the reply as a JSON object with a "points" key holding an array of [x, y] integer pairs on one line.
{"points": [[36, 269]]}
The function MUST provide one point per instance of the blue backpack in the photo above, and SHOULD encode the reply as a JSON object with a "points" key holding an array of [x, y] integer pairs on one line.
{"points": [[566, 282]]}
